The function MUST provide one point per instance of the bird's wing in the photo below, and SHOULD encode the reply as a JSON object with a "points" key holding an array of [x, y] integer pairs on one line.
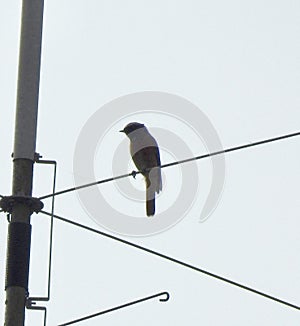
{"points": [[158, 172], [155, 172], [148, 158]]}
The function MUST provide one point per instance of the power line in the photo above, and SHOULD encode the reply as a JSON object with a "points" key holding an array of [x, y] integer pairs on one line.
{"points": [[200, 157], [174, 260]]}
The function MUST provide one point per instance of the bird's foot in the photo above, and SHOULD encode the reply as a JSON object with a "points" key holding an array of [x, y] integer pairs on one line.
{"points": [[133, 173]]}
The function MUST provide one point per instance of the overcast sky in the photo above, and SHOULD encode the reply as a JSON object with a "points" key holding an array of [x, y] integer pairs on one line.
{"points": [[238, 63]]}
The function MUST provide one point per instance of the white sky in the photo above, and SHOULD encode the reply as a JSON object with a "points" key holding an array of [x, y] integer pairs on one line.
{"points": [[238, 61]]}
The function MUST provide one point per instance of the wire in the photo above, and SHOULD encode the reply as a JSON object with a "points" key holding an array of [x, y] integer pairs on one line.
{"points": [[133, 173], [119, 307], [54, 163], [174, 260]]}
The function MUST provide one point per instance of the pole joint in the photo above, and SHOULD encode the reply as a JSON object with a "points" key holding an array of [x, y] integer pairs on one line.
{"points": [[8, 202]]}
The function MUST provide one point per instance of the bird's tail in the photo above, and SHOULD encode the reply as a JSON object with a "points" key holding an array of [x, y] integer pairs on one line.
{"points": [[150, 198]]}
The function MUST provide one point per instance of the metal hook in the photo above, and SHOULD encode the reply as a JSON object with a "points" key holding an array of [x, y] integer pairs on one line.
{"points": [[167, 294]]}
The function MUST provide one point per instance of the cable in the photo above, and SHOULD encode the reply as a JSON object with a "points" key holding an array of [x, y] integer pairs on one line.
{"points": [[174, 260], [133, 173], [119, 307]]}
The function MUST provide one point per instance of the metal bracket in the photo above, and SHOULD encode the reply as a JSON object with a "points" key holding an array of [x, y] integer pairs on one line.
{"points": [[32, 301], [31, 304], [8, 202], [37, 157]]}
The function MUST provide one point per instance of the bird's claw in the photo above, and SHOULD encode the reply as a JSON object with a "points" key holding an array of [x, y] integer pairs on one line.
{"points": [[133, 173]]}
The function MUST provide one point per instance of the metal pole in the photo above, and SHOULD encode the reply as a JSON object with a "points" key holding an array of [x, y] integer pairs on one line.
{"points": [[21, 202]]}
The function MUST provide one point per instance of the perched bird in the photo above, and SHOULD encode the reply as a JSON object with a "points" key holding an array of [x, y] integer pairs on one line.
{"points": [[145, 154]]}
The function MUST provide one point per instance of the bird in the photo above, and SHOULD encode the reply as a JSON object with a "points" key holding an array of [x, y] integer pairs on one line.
{"points": [[145, 155]]}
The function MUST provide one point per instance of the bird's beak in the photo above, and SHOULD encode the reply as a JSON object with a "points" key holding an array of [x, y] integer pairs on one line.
{"points": [[121, 131]]}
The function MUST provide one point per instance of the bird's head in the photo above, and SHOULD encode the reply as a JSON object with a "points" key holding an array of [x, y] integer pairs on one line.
{"points": [[132, 126]]}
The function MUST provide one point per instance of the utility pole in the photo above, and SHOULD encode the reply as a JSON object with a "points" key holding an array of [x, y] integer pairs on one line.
{"points": [[21, 204]]}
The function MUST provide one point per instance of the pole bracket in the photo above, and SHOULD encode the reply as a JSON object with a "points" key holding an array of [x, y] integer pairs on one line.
{"points": [[31, 304], [8, 202]]}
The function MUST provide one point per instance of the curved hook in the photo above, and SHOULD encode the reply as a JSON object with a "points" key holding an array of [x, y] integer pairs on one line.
{"points": [[167, 294]]}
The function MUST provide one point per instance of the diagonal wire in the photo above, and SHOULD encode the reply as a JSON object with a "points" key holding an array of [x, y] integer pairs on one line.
{"points": [[174, 260], [120, 307], [200, 157]]}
